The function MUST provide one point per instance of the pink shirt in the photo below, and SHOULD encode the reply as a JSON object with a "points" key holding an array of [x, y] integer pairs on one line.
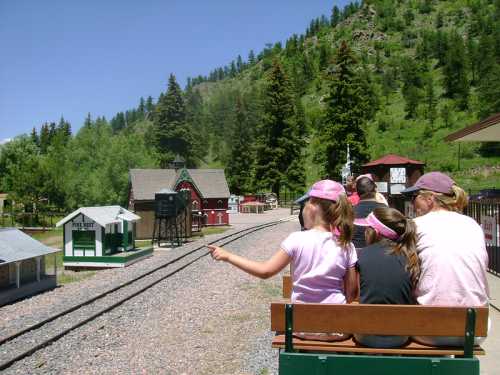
{"points": [[319, 265], [454, 260], [353, 198]]}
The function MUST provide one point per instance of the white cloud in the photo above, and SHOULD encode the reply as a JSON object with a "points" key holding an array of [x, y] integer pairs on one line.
{"points": [[4, 141]]}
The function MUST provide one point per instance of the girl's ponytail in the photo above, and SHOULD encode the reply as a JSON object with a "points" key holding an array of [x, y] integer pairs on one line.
{"points": [[407, 245], [341, 218]]}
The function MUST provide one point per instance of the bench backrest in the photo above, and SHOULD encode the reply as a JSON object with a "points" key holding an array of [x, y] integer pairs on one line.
{"points": [[404, 320], [287, 286]]}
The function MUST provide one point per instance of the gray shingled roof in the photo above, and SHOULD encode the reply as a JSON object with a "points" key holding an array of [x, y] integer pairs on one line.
{"points": [[102, 215], [16, 245], [146, 182], [211, 182]]}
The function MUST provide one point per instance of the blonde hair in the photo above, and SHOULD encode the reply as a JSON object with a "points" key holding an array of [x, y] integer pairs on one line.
{"points": [[405, 245], [456, 201], [339, 215]]}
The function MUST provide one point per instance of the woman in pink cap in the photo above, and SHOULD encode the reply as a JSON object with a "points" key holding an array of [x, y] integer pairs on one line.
{"points": [[388, 267], [451, 246], [323, 257]]}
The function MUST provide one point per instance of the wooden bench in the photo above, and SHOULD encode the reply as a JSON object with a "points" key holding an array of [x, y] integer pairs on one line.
{"points": [[317, 357]]}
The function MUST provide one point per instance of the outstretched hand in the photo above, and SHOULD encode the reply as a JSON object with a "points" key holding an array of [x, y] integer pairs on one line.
{"points": [[218, 253]]}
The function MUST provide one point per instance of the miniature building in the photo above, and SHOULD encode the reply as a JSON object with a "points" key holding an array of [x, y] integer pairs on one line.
{"points": [[233, 203], [392, 174], [208, 188], [100, 237], [22, 266], [253, 207]]}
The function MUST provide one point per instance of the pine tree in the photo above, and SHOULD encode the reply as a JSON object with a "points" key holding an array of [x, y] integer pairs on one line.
{"points": [[44, 138], [172, 135], [489, 93], [34, 137], [412, 84], [149, 105], [142, 107], [88, 121], [195, 122], [64, 129], [346, 107], [456, 83], [430, 100], [277, 147], [239, 64], [239, 166], [251, 57], [336, 16], [439, 20]]}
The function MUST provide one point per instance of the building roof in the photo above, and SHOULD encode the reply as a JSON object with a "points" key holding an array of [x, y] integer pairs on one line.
{"points": [[147, 182], [392, 159], [102, 215], [211, 183], [487, 130], [16, 246]]}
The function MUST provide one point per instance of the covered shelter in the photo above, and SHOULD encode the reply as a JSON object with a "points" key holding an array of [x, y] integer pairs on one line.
{"points": [[487, 130], [392, 174], [23, 266]]}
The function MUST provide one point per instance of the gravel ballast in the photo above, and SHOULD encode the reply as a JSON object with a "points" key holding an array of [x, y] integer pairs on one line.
{"points": [[207, 319]]}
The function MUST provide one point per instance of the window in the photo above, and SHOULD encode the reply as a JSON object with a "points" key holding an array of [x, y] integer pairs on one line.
{"points": [[84, 242], [220, 204], [196, 205]]}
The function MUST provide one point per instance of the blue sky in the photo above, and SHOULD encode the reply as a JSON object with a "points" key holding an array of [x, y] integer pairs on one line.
{"points": [[70, 58]]}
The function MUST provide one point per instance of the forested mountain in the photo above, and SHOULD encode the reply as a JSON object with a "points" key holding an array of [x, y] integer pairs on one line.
{"points": [[384, 76]]}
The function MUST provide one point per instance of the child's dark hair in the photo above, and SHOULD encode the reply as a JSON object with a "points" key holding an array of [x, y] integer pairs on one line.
{"points": [[407, 242], [338, 215]]}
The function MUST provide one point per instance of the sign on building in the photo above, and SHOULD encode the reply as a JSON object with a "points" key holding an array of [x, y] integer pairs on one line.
{"points": [[490, 230]]}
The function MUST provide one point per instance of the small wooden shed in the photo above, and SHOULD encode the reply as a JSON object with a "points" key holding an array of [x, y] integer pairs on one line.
{"points": [[100, 237], [23, 266], [392, 174]]}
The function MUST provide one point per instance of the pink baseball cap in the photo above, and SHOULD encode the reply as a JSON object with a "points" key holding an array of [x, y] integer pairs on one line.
{"points": [[326, 189], [379, 227], [433, 181]]}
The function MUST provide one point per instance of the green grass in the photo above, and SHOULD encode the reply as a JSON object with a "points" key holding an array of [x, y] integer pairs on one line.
{"points": [[67, 277], [210, 230], [51, 238]]}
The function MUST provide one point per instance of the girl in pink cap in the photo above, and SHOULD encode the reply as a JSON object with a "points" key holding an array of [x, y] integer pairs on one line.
{"points": [[323, 258], [388, 267]]}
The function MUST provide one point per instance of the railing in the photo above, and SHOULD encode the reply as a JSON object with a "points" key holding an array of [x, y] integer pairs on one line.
{"points": [[487, 214]]}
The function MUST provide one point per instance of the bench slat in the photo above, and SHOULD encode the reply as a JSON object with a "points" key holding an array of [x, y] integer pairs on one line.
{"points": [[404, 320], [351, 346]]}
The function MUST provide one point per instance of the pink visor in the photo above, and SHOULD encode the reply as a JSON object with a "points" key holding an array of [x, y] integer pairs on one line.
{"points": [[372, 222]]}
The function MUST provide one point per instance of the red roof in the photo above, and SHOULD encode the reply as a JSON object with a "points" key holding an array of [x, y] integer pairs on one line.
{"points": [[392, 159]]}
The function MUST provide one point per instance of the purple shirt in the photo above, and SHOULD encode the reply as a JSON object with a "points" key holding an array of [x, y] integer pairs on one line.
{"points": [[318, 266]]}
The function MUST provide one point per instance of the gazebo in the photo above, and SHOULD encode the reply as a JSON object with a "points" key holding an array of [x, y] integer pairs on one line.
{"points": [[393, 173]]}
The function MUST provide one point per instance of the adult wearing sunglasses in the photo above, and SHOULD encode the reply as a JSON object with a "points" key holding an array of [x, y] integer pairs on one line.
{"points": [[451, 248]]}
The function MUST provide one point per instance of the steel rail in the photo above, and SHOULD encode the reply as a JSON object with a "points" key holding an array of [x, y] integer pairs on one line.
{"points": [[53, 339]]}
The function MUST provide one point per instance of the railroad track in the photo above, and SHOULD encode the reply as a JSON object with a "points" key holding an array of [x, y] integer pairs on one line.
{"points": [[31, 339]]}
